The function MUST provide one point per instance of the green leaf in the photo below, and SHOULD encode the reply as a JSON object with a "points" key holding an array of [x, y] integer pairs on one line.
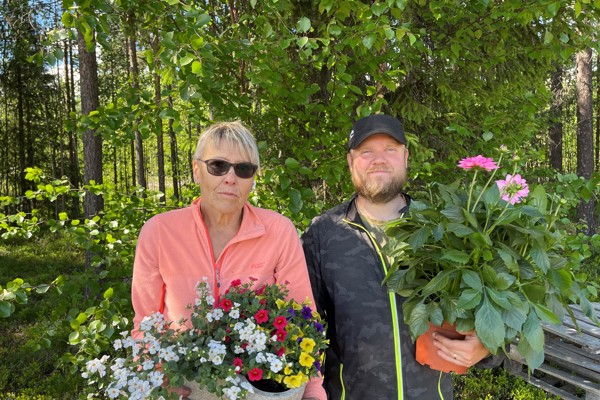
{"points": [[489, 327], [439, 282], [368, 41], [561, 279], [303, 24], [459, 230], [472, 279], [469, 299], [292, 163], [499, 298], [417, 239], [454, 213], [532, 330], [418, 319], [6, 309], [545, 314], [197, 67], [539, 255], [109, 293], [458, 256]]}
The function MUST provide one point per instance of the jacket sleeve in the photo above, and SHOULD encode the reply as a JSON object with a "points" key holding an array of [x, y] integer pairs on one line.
{"points": [[311, 246], [291, 270], [147, 287]]}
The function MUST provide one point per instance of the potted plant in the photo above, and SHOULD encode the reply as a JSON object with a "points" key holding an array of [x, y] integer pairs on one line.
{"points": [[488, 255], [247, 337]]}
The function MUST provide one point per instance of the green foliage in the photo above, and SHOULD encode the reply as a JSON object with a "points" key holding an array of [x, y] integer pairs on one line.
{"points": [[495, 384], [469, 255]]}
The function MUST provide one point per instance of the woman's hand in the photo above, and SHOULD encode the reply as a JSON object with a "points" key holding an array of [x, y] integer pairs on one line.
{"points": [[467, 352]]}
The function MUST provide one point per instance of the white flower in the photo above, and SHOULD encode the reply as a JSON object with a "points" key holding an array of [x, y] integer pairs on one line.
{"points": [[117, 344], [95, 366], [234, 313], [156, 378], [276, 365], [112, 393], [147, 365]]}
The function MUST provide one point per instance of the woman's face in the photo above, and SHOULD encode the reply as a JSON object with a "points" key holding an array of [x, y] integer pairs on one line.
{"points": [[225, 194]]}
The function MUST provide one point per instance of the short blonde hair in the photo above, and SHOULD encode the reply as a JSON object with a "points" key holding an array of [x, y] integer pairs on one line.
{"points": [[232, 133]]}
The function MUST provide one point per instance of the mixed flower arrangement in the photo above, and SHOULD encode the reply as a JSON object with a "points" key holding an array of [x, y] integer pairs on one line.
{"points": [[492, 256], [251, 332]]}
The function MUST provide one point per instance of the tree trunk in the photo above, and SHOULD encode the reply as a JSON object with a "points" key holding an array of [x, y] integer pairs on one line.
{"points": [[555, 131], [92, 143], [160, 151], [174, 157], [73, 173], [134, 71], [585, 132]]}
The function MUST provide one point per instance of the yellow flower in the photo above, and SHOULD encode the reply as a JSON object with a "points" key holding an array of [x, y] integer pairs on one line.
{"points": [[294, 381], [306, 360], [288, 370], [307, 345], [280, 303]]}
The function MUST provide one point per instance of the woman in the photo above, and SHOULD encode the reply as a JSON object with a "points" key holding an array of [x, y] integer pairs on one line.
{"points": [[220, 236]]}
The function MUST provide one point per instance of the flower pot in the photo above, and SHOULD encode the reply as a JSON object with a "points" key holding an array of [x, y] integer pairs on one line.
{"points": [[200, 393], [427, 352]]}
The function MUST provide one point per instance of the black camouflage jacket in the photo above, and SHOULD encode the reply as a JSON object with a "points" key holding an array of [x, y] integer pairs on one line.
{"points": [[371, 354]]}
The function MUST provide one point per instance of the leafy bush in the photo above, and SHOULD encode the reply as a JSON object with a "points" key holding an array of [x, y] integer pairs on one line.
{"points": [[495, 384]]}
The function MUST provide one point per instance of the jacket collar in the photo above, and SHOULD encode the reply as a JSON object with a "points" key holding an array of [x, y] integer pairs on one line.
{"points": [[352, 211]]}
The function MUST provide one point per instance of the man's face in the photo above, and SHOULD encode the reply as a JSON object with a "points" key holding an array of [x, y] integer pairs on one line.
{"points": [[378, 167]]}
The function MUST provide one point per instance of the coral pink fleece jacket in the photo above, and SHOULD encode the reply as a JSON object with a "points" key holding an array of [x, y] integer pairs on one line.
{"points": [[174, 253]]}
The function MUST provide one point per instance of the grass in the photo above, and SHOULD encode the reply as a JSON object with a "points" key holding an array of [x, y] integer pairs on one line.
{"points": [[30, 369]]}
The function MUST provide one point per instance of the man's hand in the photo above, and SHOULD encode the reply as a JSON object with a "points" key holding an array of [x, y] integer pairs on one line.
{"points": [[467, 352]]}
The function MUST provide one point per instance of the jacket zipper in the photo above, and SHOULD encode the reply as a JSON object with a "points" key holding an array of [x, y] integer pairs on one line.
{"points": [[394, 310]]}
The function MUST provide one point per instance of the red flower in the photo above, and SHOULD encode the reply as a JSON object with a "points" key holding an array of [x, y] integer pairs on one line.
{"points": [[255, 374], [238, 364], [261, 316], [236, 282], [281, 335], [225, 304], [263, 301], [252, 279], [260, 290], [280, 322], [280, 351]]}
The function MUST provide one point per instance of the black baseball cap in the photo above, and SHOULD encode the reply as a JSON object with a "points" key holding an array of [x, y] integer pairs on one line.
{"points": [[373, 124]]}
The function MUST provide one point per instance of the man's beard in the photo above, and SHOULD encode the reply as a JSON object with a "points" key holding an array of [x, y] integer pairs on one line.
{"points": [[379, 192]]}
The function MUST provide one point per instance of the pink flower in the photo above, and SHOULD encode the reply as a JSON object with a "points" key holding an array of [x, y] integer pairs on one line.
{"points": [[281, 335], [477, 162], [261, 316], [280, 322], [513, 188], [255, 374], [238, 364]]}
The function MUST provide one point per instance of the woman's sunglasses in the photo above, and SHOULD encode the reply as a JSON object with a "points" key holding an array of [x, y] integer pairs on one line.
{"points": [[244, 170]]}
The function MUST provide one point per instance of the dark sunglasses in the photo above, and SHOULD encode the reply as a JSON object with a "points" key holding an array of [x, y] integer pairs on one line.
{"points": [[244, 170]]}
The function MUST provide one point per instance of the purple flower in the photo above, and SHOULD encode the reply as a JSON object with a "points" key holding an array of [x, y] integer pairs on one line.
{"points": [[319, 327], [306, 312], [513, 188], [318, 365]]}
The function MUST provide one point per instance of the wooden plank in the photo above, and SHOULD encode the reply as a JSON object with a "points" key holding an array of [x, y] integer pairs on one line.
{"points": [[565, 359], [589, 387], [589, 343]]}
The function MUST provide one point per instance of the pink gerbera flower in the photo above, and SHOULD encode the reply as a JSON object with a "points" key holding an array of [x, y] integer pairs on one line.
{"points": [[513, 188], [477, 162]]}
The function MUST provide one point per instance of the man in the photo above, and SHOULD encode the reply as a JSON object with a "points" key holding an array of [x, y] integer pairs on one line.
{"points": [[371, 354]]}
